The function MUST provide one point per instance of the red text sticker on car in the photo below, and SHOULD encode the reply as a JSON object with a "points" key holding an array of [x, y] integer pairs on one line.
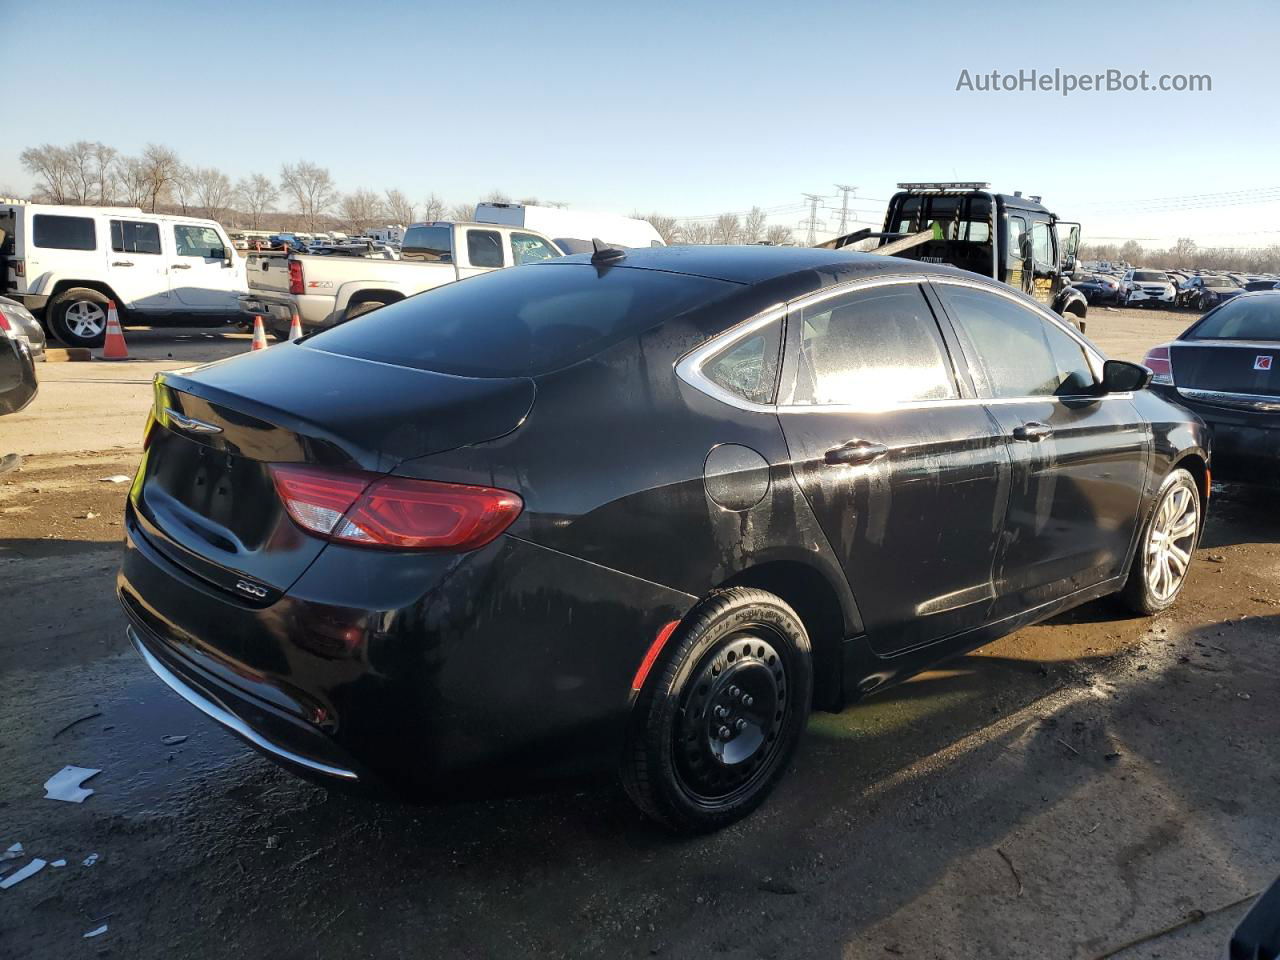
{"points": [[1262, 363]]}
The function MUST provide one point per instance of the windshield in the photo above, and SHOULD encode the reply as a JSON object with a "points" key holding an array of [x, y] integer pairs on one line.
{"points": [[522, 321], [1241, 318], [1150, 276]]}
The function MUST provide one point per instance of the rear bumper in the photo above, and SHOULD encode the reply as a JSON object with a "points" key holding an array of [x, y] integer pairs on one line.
{"points": [[314, 312], [420, 672], [1246, 444]]}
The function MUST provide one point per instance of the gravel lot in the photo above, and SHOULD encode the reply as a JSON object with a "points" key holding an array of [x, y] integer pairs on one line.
{"points": [[1068, 789]]}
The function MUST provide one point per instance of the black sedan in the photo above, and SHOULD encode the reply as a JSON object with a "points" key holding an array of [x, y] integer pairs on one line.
{"points": [[1226, 367], [1099, 288], [638, 511]]}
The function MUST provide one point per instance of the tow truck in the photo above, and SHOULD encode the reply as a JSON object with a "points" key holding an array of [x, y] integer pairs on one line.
{"points": [[1009, 237]]}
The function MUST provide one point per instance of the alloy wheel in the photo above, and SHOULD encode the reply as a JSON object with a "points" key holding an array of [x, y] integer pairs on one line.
{"points": [[1172, 538], [86, 319], [732, 717]]}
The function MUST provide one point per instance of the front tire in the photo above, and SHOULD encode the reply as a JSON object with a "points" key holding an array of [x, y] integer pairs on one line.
{"points": [[1163, 556], [78, 317], [718, 720]]}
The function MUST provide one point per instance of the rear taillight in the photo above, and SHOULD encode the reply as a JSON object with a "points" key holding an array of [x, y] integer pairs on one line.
{"points": [[5, 328], [1161, 365], [397, 512], [295, 276]]}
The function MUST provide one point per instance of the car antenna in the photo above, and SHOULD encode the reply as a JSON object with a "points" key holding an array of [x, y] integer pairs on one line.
{"points": [[605, 253]]}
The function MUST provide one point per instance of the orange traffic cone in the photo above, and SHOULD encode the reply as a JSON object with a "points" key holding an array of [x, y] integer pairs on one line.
{"points": [[259, 335], [114, 348], [295, 327]]}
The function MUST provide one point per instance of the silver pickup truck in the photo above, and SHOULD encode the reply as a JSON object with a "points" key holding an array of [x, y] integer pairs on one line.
{"points": [[328, 289]]}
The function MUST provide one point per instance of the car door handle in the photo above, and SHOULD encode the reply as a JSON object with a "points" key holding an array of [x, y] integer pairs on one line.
{"points": [[122, 263], [855, 451], [1033, 431], [181, 266]]}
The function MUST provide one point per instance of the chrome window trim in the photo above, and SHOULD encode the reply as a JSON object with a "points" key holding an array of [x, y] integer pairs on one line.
{"points": [[689, 367]]}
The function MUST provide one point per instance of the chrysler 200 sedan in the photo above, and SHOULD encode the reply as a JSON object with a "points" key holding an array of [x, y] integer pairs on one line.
{"points": [[638, 510]]}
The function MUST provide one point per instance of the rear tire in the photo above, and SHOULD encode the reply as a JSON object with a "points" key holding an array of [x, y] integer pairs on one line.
{"points": [[1162, 559], [718, 720], [78, 317]]}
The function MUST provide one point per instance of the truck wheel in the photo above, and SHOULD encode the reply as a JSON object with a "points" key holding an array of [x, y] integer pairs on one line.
{"points": [[718, 720], [361, 308], [78, 317]]}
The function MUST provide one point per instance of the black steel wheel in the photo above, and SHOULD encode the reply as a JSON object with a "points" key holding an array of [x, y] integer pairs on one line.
{"points": [[721, 713]]}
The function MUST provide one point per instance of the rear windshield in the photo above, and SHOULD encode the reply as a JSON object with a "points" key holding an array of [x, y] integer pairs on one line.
{"points": [[521, 321], [430, 244], [1245, 318]]}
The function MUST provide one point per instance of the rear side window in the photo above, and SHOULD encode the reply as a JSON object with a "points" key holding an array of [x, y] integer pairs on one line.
{"points": [[1250, 318], [428, 244], [526, 248], [193, 241], [748, 368], [1018, 352], [872, 347], [128, 236], [484, 248], [512, 323], [63, 233]]}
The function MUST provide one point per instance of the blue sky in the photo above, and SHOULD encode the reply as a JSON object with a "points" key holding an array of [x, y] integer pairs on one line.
{"points": [[686, 108]]}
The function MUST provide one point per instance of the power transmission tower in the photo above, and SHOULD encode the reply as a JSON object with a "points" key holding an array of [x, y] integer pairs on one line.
{"points": [[812, 223], [844, 206]]}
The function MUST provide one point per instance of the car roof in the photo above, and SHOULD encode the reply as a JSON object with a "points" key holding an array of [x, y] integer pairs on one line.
{"points": [[753, 264]]}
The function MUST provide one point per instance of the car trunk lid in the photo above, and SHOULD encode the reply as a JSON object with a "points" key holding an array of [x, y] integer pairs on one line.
{"points": [[1228, 367], [204, 495]]}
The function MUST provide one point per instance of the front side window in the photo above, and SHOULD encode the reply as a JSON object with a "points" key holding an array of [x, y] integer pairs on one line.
{"points": [[129, 236], [1041, 244], [195, 241], [526, 248], [871, 348], [484, 248], [63, 233], [1016, 351], [748, 368]]}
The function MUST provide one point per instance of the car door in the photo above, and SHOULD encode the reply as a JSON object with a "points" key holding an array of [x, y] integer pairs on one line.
{"points": [[1079, 459], [203, 276], [136, 268], [902, 467]]}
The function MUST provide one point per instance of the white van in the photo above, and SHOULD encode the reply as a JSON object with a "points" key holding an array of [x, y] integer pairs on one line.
{"points": [[65, 262], [572, 230]]}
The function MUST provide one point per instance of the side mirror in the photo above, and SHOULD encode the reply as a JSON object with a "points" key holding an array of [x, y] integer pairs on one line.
{"points": [[1121, 376]]}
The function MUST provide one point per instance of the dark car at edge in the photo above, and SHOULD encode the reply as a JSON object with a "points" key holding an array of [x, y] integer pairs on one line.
{"points": [[638, 512], [1226, 368]]}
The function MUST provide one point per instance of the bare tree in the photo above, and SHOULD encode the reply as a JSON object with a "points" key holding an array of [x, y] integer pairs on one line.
{"points": [[182, 188], [398, 207], [1184, 251], [1131, 251], [779, 235], [530, 201], [160, 167], [360, 209], [754, 226], [311, 189], [432, 208], [727, 229], [695, 231], [667, 227], [462, 212], [256, 193], [105, 159], [52, 169], [131, 176], [496, 196], [212, 191]]}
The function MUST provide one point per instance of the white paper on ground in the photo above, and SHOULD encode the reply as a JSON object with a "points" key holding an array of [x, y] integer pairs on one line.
{"points": [[34, 867], [95, 931], [65, 784]]}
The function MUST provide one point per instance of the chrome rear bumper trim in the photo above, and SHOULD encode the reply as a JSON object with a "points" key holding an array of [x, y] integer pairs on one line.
{"points": [[211, 709]]}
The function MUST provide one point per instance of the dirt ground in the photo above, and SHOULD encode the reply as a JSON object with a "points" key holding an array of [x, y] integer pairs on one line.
{"points": [[1071, 788]]}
